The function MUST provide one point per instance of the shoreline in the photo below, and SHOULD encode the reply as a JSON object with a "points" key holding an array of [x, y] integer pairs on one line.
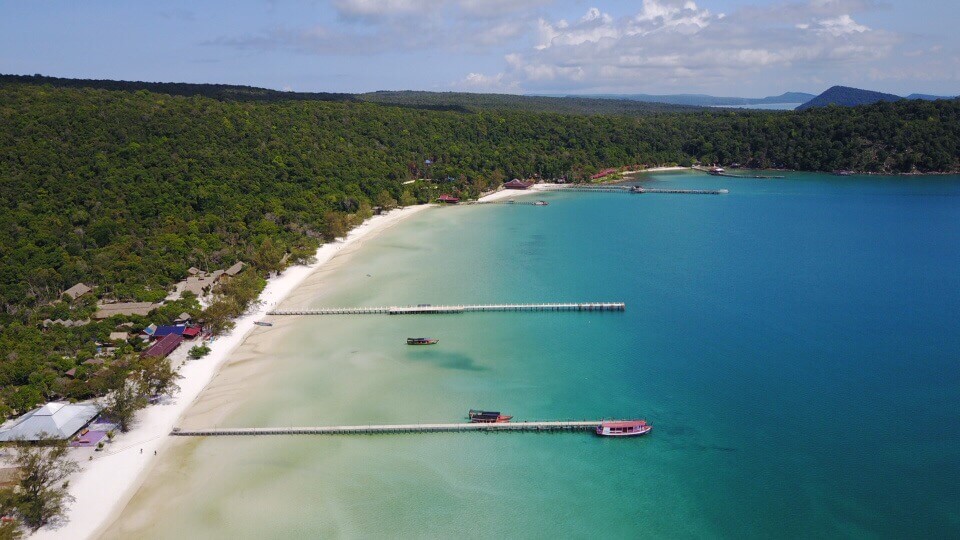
{"points": [[104, 486], [232, 377]]}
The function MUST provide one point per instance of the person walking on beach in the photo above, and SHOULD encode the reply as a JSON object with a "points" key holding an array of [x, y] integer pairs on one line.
{"points": [[141, 450]]}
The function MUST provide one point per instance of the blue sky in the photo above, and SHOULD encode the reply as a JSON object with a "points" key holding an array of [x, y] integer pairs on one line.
{"points": [[722, 47]]}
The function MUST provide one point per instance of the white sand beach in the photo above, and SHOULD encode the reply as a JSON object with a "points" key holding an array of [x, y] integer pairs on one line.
{"points": [[660, 169], [511, 193], [104, 485]]}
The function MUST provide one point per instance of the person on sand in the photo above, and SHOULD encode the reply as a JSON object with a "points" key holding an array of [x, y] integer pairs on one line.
{"points": [[141, 450]]}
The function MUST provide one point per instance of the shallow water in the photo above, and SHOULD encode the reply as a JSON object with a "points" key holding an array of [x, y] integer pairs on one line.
{"points": [[794, 343]]}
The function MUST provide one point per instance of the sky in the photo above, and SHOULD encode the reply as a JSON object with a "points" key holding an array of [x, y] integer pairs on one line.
{"points": [[748, 48]]}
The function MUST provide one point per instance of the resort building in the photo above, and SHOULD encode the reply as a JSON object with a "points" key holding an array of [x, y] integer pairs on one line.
{"points": [[235, 269], [516, 183], [77, 291], [68, 323], [163, 347], [602, 174], [448, 199], [105, 311], [57, 420]]}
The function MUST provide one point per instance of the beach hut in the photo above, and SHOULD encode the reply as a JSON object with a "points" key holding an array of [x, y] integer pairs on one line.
{"points": [[124, 308], [77, 291], [516, 183], [448, 199], [235, 269]]}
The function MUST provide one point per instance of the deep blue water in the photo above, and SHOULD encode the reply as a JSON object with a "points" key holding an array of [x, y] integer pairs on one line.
{"points": [[795, 344]]}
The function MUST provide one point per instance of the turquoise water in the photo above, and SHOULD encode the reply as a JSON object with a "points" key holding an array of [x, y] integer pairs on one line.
{"points": [[794, 344]]}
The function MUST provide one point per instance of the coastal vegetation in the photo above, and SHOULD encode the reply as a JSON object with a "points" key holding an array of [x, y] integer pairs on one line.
{"points": [[127, 190], [40, 492]]}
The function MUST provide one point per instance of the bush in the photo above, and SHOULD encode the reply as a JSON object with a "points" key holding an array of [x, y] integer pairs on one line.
{"points": [[198, 351]]}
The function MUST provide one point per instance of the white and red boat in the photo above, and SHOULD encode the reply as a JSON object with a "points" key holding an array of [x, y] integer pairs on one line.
{"points": [[627, 428], [488, 417]]}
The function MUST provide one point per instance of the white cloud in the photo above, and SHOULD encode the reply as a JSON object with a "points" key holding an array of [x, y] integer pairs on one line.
{"points": [[683, 43], [836, 26]]}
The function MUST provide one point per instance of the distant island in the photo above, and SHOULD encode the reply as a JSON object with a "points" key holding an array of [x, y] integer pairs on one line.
{"points": [[704, 100], [851, 97]]}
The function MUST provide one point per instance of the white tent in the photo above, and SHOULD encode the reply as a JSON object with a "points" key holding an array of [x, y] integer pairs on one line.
{"points": [[57, 420]]}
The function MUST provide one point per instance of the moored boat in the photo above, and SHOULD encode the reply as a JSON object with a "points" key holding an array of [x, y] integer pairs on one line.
{"points": [[263, 323], [422, 341], [716, 171], [488, 417], [540, 203], [627, 428]]}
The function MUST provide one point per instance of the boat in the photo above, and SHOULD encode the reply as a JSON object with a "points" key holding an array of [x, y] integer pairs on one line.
{"points": [[627, 428], [422, 341], [488, 417], [263, 323], [540, 203], [717, 171]]}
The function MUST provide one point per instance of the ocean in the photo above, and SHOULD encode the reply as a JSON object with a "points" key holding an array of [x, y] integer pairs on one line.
{"points": [[794, 343]]}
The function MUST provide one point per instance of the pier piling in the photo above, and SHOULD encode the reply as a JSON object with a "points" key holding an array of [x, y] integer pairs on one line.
{"points": [[469, 308]]}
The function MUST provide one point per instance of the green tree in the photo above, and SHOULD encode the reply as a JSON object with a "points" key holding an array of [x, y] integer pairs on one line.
{"points": [[158, 377], [41, 493], [121, 405]]}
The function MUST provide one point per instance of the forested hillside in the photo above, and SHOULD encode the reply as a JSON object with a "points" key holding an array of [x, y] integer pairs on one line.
{"points": [[127, 190], [225, 92], [467, 102]]}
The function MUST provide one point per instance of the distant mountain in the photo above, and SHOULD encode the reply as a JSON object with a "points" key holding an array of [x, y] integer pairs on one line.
{"points": [[440, 101], [704, 100], [848, 97], [928, 97]]}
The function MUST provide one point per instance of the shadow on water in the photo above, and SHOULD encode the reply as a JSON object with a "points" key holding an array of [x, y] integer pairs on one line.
{"points": [[447, 360], [681, 437]]}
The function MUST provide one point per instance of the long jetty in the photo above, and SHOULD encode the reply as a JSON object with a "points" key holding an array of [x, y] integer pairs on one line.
{"points": [[731, 175], [635, 189], [431, 309], [461, 427]]}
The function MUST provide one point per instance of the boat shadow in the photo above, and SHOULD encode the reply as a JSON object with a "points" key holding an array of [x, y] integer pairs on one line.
{"points": [[446, 360]]}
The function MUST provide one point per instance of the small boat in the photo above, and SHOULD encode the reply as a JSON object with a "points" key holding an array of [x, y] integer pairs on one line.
{"points": [[422, 341], [488, 417], [716, 171], [629, 428], [263, 323], [540, 203]]}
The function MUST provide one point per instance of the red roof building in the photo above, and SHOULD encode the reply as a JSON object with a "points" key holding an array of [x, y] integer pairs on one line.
{"points": [[164, 346], [601, 174], [191, 332], [448, 199], [516, 183]]}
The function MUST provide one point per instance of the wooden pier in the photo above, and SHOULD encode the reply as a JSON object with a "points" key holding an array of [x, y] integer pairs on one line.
{"points": [[731, 175], [510, 202], [636, 190], [461, 427], [426, 309]]}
